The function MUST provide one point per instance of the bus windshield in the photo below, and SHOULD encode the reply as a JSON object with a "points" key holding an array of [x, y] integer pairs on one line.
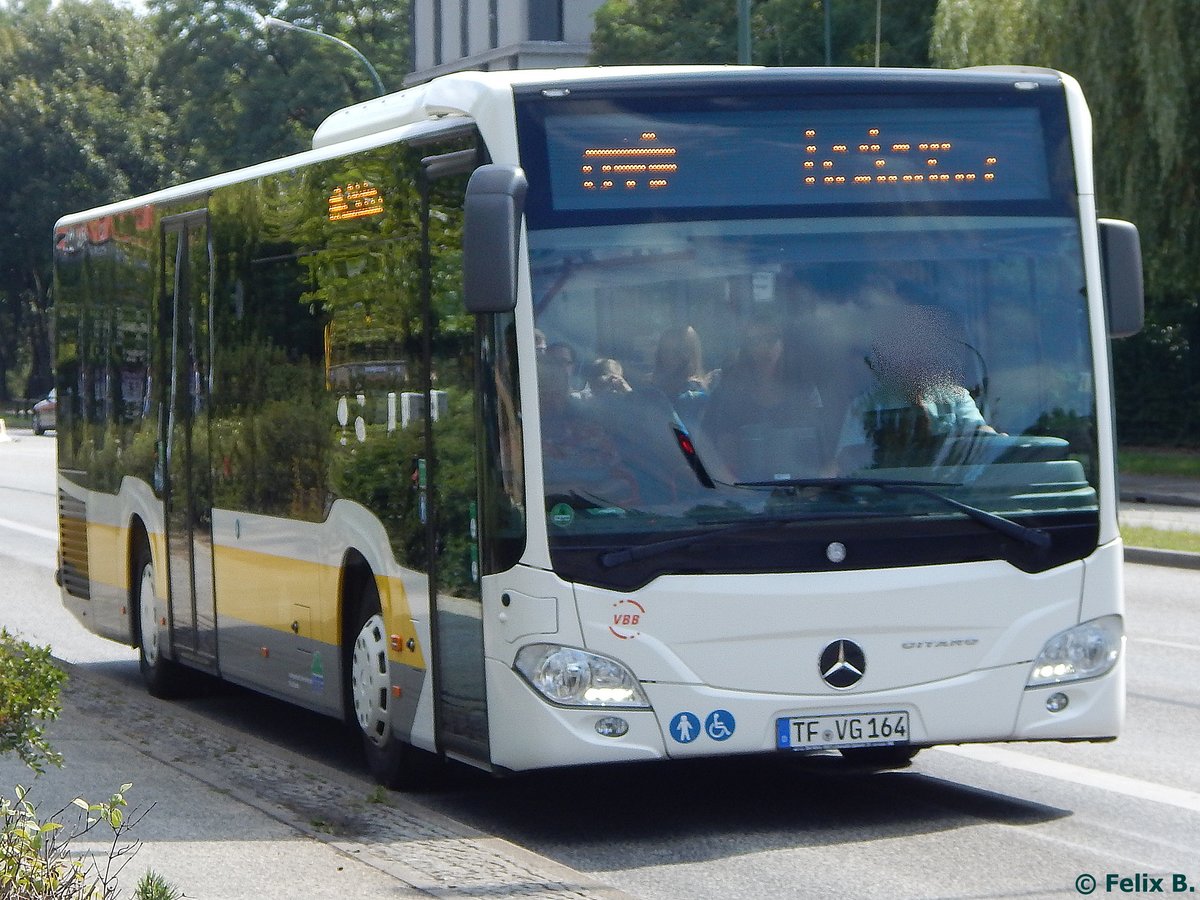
{"points": [[755, 345], [689, 371]]}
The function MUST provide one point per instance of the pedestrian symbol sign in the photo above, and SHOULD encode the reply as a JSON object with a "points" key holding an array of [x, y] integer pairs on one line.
{"points": [[685, 727]]}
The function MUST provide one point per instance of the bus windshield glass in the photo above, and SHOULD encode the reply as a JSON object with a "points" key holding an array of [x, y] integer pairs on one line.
{"points": [[715, 353]]}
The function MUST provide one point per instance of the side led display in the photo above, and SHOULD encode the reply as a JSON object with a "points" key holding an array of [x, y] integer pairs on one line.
{"points": [[355, 200]]}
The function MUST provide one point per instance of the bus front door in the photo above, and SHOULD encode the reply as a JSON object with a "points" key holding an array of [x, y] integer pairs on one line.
{"points": [[187, 488], [460, 705]]}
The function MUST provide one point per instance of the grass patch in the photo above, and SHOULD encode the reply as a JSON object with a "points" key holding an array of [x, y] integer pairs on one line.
{"points": [[1160, 538], [1159, 461]]}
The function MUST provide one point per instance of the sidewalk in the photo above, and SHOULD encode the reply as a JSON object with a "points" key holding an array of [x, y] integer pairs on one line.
{"points": [[1168, 503], [230, 817]]}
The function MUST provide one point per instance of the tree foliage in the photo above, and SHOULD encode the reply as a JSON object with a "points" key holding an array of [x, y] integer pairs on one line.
{"points": [[1138, 66], [79, 126], [238, 94], [784, 32], [98, 103]]}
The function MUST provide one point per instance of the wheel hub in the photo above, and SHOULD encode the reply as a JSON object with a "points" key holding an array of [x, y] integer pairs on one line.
{"points": [[369, 680], [148, 616]]}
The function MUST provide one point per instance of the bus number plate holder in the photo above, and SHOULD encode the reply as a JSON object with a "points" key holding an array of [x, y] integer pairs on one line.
{"points": [[842, 730]]}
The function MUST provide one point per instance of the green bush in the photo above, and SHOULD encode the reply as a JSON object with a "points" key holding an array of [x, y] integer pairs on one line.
{"points": [[36, 861], [29, 699]]}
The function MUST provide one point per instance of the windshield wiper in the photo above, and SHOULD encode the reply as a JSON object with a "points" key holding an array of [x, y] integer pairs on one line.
{"points": [[1034, 537], [721, 529]]}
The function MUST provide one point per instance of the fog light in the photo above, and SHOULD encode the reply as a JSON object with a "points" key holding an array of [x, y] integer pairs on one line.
{"points": [[1057, 702], [612, 726]]}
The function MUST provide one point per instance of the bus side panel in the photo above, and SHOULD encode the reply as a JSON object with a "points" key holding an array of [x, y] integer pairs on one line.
{"points": [[94, 564], [105, 286], [268, 580], [319, 427], [105, 523]]}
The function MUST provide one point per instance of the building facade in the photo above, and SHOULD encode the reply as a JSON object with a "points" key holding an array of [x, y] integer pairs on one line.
{"points": [[487, 35]]}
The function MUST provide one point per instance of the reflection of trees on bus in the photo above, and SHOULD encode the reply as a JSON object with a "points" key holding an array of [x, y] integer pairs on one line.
{"points": [[104, 349], [313, 319]]}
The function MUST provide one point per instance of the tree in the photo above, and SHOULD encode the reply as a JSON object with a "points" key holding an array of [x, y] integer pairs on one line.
{"points": [[239, 95], [79, 126], [1140, 70], [785, 32]]}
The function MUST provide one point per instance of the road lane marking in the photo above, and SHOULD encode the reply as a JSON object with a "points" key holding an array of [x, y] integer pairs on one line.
{"points": [[1176, 644], [1105, 781], [29, 529]]}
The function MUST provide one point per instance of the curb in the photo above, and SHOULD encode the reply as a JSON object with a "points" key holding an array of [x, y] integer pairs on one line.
{"points": [[1178, 559], [1159, 499]]}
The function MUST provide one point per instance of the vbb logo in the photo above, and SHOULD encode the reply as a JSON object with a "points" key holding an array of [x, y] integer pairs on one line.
{"points": [[627, 615]]}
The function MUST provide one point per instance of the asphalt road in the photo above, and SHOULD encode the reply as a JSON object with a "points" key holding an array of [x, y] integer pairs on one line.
{"points": [[981, 821]]}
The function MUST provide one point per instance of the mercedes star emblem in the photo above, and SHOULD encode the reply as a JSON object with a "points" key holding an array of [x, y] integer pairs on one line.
{"points": [[843, 664]]}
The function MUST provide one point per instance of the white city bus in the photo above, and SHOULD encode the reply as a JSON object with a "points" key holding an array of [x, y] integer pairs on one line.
{"points": [[537, 419]]}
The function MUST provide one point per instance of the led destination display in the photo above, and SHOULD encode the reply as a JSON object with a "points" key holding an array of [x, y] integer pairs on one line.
{"points": [[795, 157]]}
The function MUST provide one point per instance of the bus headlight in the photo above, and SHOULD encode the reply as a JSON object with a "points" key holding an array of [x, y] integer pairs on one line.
{"points": [[574, 677], [1088, 650]]}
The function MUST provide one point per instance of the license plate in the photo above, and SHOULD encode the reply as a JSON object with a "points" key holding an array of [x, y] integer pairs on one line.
{"points": [[871, 729]]}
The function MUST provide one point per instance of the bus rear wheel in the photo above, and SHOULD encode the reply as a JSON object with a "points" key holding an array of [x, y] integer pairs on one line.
{"points": [[163, 677], [393, 763]]}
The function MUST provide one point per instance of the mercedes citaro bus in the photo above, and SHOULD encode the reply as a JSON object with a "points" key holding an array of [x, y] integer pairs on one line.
{"points": [[546, 418]]}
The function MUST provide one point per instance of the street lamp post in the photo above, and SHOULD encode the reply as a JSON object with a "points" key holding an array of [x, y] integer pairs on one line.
{"points": [[828, 33], [744, 32], [272, 22]]}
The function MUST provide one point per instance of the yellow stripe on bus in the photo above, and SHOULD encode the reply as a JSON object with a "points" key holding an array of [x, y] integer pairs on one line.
{"points": [[263, 589], [106, 555]]}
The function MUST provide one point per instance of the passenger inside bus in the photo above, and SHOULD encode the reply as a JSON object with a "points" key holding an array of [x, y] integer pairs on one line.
{"points": [[564, 353], [679, 373], [763, 416], [605, 377], [579, 456]]}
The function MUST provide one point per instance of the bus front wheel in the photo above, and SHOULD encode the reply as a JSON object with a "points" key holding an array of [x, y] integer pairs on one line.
{"points": [[394, 763]]}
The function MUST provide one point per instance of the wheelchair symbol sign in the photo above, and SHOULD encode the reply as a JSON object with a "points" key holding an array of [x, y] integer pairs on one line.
{"points": [[720, 725]]}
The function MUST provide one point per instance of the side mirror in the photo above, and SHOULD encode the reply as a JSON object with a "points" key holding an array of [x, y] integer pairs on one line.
{"points": [[495, 204], [1121, 261]]}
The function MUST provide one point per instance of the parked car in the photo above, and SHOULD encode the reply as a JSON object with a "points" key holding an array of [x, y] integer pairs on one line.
{"points": [[45, 413]]}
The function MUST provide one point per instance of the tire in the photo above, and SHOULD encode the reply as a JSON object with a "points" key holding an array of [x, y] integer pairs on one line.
{"points": [[880, 757], [163, 677], [37, 425], [393, 763]]}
